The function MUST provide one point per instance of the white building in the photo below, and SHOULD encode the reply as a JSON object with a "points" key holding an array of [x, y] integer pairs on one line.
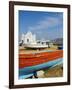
{"points": [[28, 38]]}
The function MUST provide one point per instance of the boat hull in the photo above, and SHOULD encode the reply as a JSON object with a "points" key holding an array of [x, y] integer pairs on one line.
{"points": [[26, 60], [28, 71], [35, 46]]}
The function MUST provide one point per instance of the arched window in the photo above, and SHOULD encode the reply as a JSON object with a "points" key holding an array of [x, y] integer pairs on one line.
{"points": [[27, 40]]}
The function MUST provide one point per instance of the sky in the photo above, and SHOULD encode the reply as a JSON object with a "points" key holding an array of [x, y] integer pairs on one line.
{"points": [[46, 25]]}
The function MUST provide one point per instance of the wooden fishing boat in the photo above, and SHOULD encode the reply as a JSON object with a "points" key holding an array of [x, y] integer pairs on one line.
{"points": [[36, 46], [27, 72], [26, 60], [30, 63]]}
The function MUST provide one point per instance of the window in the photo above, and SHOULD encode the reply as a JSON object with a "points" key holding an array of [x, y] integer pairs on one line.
{"points": [[27, 40]]}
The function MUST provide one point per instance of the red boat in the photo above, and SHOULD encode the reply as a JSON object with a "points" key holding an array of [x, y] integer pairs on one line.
{"points": [[26, 60]]}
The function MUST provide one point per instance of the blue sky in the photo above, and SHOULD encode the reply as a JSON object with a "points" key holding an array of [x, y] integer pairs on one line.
{"points": [[46, 25]]}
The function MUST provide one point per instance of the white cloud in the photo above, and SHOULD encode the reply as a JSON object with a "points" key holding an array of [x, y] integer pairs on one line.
{"points": [[47, 22], [48, 28]]}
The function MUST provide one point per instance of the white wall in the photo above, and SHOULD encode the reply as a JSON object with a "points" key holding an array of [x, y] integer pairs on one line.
{"points": [[4, 46], [29, 36]]}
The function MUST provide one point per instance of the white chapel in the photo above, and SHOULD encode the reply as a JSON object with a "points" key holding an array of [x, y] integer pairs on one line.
{"points": [[28, 38]]}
